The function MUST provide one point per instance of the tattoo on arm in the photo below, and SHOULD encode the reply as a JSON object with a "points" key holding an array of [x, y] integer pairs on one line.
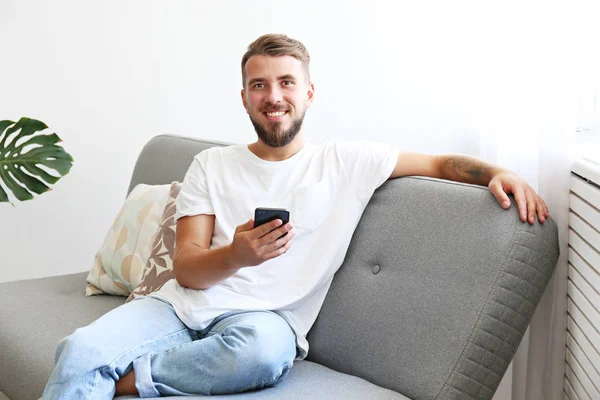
{"points": [[467, 170]]}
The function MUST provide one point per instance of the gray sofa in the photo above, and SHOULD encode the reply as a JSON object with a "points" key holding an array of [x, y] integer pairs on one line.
{"points": [[433, 298]]}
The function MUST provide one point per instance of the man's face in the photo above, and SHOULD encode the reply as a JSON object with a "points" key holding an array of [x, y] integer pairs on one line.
{"points": [[276, 96]]}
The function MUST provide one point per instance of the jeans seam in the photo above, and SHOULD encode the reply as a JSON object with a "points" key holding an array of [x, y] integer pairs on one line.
{"points": [[96, 375], [231, 320], [235, 314], [283, 370]]}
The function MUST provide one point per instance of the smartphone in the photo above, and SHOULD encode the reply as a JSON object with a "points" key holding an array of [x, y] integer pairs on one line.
{"points": [[262, 215]]}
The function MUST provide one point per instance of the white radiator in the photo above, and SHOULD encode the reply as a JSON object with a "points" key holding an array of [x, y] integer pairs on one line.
{"points": [[582, 373]]}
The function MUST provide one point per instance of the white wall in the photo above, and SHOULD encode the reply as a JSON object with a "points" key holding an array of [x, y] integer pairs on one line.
{"points": [[106, 76]]}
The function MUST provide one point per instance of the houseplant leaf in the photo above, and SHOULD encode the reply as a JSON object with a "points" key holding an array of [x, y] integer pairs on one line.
{"points": [[20, 163]]}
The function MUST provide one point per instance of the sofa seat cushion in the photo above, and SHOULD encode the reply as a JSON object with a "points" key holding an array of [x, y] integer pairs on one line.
{"points": [[35, 314], [309, 380]]}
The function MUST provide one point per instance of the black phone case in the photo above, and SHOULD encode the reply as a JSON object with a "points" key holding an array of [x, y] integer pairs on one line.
{"points": [[262, 215]]}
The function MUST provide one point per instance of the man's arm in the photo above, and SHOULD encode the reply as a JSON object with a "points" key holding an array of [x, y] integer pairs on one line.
{"points": [[196, 266], [193, 255], [468, 169]]}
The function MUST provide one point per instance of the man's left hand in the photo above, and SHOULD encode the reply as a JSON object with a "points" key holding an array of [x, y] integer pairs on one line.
{"points": [[528, 201]]}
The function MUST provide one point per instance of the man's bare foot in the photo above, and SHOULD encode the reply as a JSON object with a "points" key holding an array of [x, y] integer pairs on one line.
{"points": [[126, 385]]}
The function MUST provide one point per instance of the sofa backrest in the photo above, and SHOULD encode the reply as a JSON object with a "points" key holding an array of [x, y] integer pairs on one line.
{"points": [[437, 288], [436, 291], [166, 158]]}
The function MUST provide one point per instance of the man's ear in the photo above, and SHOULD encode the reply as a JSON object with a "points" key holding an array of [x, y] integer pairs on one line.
{"points": [[243, 93], [311, 95]]}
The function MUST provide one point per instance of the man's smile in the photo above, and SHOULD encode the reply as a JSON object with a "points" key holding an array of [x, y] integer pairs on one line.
{"points": [[275, 115]]}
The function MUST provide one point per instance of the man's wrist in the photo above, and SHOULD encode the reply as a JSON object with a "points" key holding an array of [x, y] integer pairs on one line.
{"points": [[230, 260], [495, 171]]}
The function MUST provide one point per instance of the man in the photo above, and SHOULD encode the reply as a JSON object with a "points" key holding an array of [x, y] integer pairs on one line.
{"points": [[236, 316]]}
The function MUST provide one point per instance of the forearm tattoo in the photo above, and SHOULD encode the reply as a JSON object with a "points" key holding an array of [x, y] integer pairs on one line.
{"points": [[467, 170]]}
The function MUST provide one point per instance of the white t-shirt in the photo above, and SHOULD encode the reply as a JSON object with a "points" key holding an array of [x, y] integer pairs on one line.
{"points": [[326, 187]]}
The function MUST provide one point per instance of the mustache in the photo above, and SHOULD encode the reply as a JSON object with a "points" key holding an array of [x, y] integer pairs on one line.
{"points": [[273, 108]]}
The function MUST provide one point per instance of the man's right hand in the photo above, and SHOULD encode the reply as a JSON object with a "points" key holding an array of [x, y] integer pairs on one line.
{"points": [[252, 246]]}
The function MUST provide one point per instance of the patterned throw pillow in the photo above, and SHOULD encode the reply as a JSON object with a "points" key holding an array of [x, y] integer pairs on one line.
{"points": [[159, 268], [119, 263]]}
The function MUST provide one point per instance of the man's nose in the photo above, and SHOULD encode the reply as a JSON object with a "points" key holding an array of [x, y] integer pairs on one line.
{"points": [[274, 95]]}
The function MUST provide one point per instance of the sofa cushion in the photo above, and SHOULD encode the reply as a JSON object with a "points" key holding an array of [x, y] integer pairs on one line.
{"points": [[308, 380], [159, 267], [54, 307], [35, 315], [120, 261]]}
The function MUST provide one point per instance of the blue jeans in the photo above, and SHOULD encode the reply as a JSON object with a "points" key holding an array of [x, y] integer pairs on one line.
{"points": [[236, 352]]}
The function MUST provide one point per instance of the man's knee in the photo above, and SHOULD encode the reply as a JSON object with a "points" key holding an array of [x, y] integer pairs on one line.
{"points": [[78, 347], [270, 352]]}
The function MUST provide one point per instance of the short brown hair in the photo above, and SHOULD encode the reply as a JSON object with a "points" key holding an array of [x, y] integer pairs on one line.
{"points": [[276, 45]]}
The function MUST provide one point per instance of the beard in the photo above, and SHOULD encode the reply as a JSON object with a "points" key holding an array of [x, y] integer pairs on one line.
{"points": [[275, 135]]}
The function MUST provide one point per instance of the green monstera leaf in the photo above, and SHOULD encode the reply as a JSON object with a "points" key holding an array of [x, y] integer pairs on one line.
{"points": [[22, 156]]}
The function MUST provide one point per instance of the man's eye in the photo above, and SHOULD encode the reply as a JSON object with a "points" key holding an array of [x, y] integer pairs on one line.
{"points": [[259, 85], [288, 83]]}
